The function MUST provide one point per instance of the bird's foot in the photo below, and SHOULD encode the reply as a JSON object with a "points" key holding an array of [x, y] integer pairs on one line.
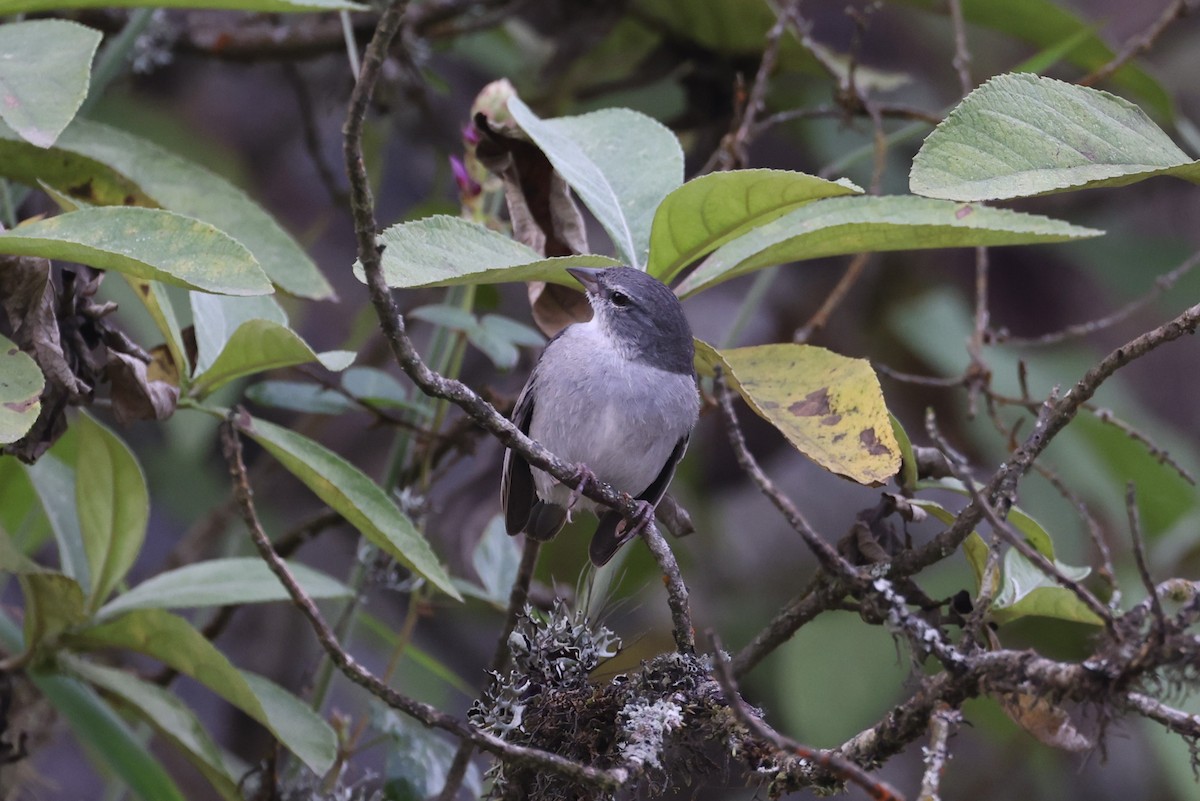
{"points": [[636, 523], [586, 476]]}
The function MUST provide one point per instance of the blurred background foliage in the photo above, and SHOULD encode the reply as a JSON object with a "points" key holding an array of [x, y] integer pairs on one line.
{"points": [[260, 99]]}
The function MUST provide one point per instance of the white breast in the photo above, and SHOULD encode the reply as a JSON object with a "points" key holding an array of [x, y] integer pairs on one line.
{"points": [[619, 417]]}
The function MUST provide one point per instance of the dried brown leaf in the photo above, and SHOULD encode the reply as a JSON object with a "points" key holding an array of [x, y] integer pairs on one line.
{"points": [[135, 396]]}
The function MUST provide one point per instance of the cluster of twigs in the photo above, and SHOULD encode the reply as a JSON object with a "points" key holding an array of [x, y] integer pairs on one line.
{"points": [[1137, 649]]}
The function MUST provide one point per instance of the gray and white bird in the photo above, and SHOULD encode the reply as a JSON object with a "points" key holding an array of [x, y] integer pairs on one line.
{"points": [[616, 394]]}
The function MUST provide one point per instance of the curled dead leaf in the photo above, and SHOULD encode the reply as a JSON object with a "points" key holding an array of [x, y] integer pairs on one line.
{"points": [[135, 396]]}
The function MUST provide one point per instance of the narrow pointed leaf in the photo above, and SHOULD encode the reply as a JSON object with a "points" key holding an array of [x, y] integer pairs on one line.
{"points": [[174, 642], [830, 407], [706, 212], [150, 244], [45, 67], [99, 727], [448, 251], [217, 317], [169, 716], [621, 164], [113, 503], [53, 479], [856, 224], [353, 495], [1023, 135], [101, 165], [21, 383], [220, 582]]}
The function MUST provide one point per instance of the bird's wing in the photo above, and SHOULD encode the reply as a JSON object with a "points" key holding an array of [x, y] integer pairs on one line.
{"points": [[517, 493], [611, 534]]}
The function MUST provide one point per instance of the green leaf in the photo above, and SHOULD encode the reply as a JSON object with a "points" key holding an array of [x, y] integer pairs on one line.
{"points": [[260, 345], [347, 490], [158, 304], [53, 604], [105, 166], [263, 6], [857, 224], [299, 396], [113, 503], [907, 478], [1027, 591], [446, 316], [620, 163], [706, 212], [1021, 520], [1046, 23], [1023, 135], [174, 642], [448, 251], [45, 66], [150, 244], [217, 317], [830, 407], [53, 479], [301, 730], [377, 387], [220, 582], [21, 384], [496, 559], [99, 728], [512, 331], [169, 716]]}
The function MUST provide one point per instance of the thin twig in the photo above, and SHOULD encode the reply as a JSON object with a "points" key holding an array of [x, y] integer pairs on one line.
{"points": [[1056, 415], [942, 724], [830, 761], [827, 555], [732, 151], [962, 56], [428, 715], [677, 591], [1139, 556], [1163, 284], [822, 594], [1095, 531], [1176, 720], [518, 596], [312, 136], [1138, 44]]}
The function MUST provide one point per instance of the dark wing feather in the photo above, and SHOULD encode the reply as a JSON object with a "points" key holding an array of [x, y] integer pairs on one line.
{"points": [[517, 493], [611, 534]]}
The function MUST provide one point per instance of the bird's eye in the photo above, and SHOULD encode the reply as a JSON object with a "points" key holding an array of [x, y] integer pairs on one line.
{"points": [[619, 299]]}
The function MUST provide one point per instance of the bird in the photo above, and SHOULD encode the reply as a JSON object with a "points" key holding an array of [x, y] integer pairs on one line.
{"points": [[617, 395]]}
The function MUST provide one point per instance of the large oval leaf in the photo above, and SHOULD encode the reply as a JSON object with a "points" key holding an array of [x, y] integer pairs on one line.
{"points": [[218, 582], [106, 166], [45, 67], [446, 251], [174, 642], [353, 495], [145, 243], [706, 212], [113, 503], [21, 383], [830, 407], [621, 164], [1023, 135], [857, 224]]}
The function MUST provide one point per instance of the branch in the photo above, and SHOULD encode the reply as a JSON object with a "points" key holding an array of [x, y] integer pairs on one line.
{"points": [[1138, 44], [428, 715]]}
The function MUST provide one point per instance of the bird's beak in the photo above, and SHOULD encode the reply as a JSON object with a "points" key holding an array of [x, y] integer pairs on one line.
{"points": [[588, 276]]}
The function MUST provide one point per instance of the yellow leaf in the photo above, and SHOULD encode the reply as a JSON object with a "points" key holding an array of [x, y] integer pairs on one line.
{"points": [[829, 406]]}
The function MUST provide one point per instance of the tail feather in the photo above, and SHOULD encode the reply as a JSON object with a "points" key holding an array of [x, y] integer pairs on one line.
{"points": [[609, 537], [545, 520]]}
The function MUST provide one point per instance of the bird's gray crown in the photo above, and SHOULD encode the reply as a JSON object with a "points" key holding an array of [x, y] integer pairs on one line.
{"points": [[642, 314]]}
